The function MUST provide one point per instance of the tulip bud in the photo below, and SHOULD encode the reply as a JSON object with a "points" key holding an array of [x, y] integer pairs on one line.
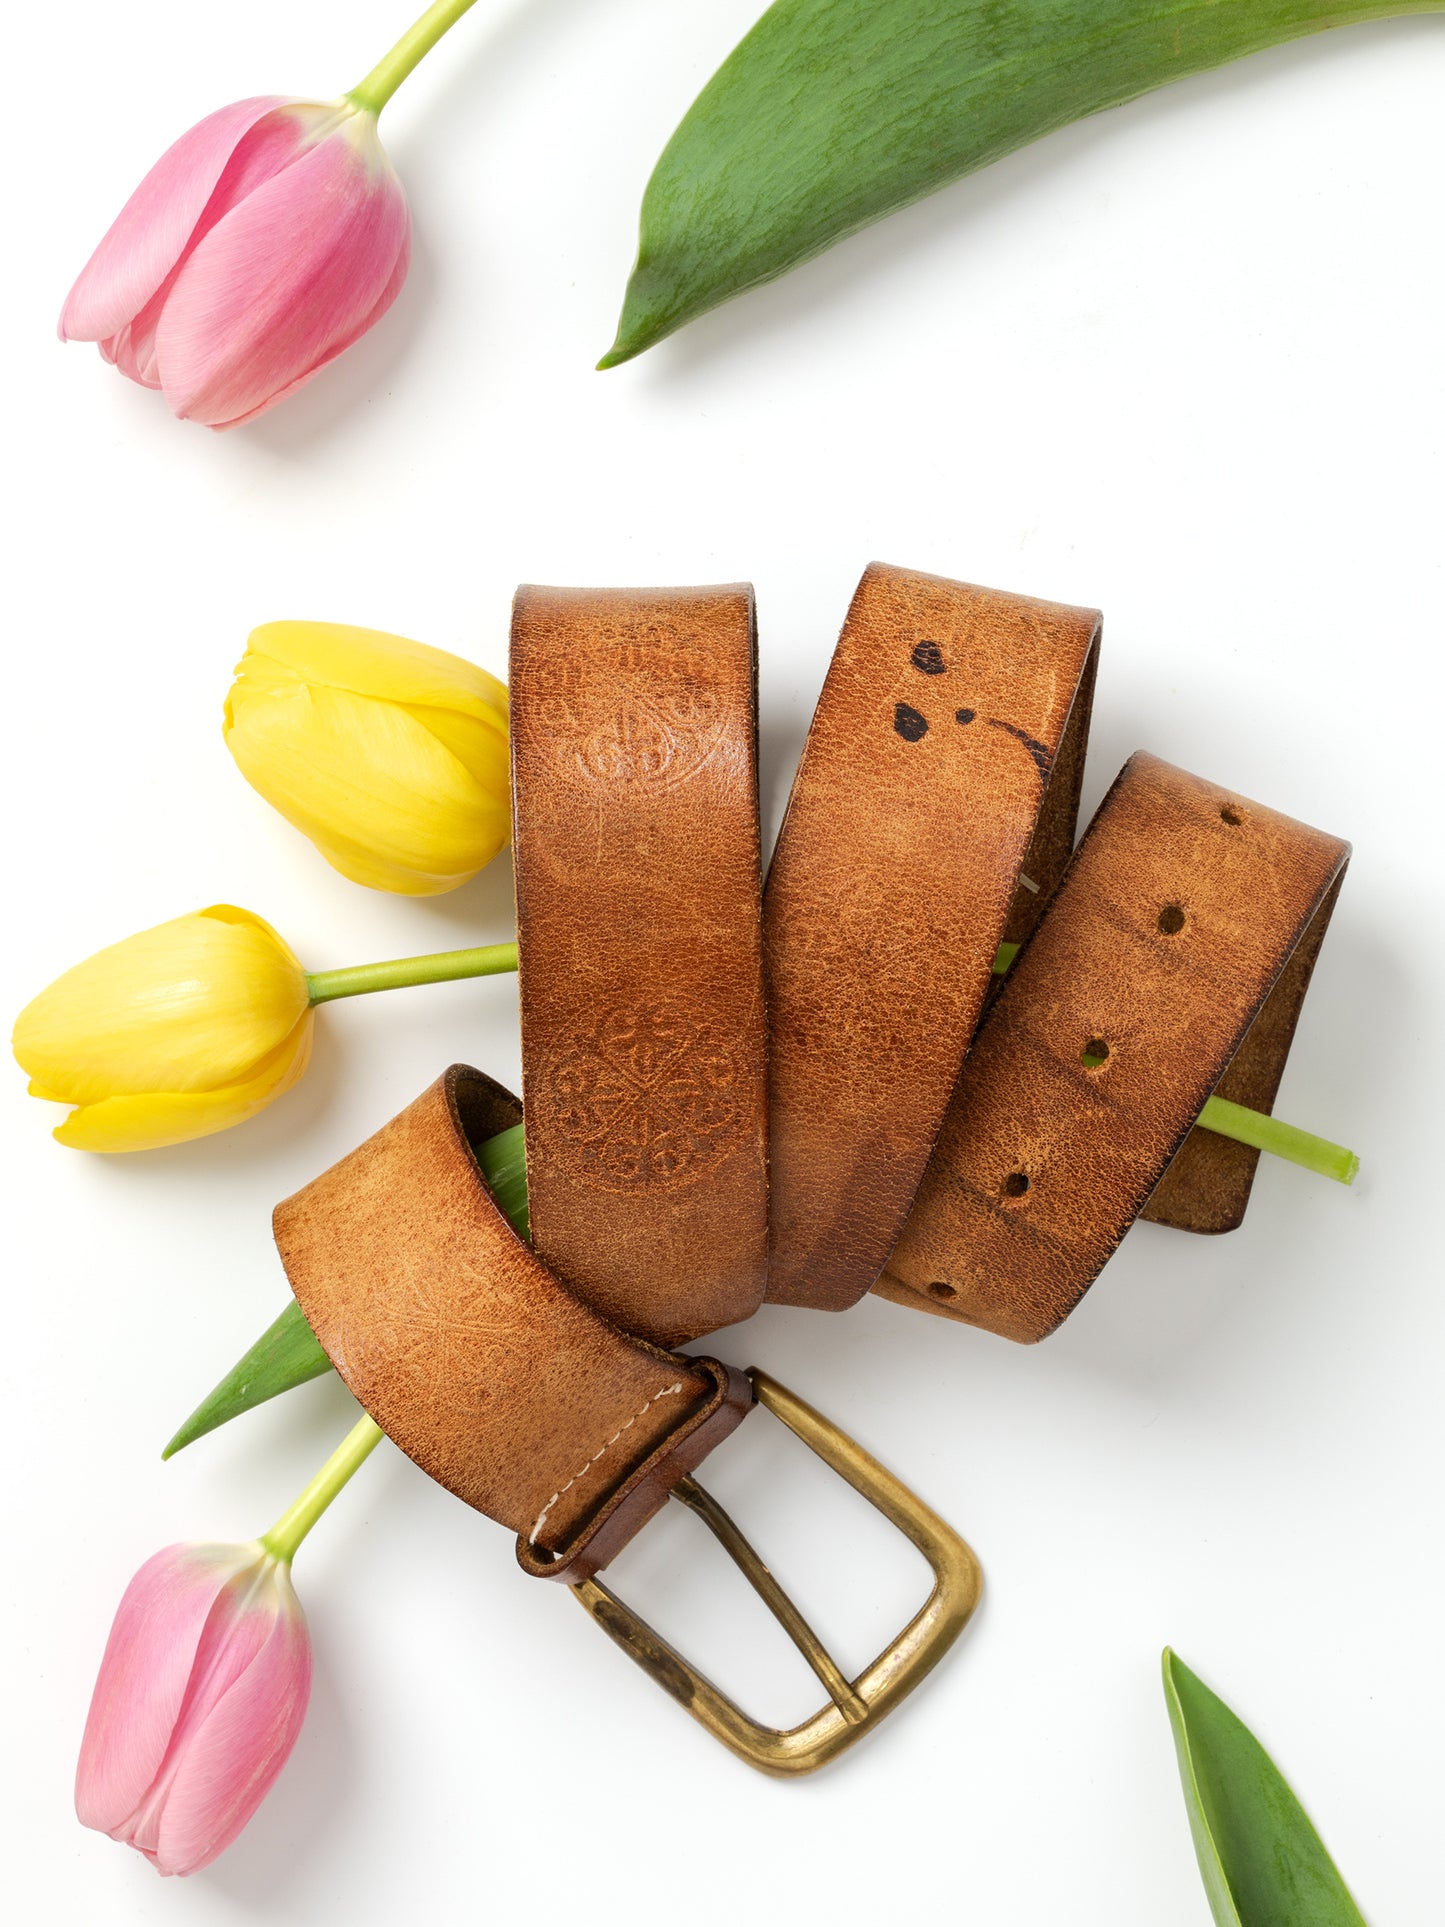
{"points": [[174, 1033], [200, 1697], [391, 756], [263, 243]]}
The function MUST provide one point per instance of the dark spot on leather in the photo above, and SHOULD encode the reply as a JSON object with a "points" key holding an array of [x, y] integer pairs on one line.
{"points": [[928, 657], [910, 725], [964, 715], [1035, 749]]}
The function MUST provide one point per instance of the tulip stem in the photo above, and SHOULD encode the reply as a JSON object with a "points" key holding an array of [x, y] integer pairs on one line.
{"points": [[1265, 1133], [446, 966], [413, 47], [297, 1520]]}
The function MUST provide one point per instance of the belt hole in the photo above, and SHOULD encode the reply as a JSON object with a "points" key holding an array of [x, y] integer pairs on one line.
{"points": [[1094, 1053], [1015, 1185], [1230, 815], [938, 1289], [1171, 920]]}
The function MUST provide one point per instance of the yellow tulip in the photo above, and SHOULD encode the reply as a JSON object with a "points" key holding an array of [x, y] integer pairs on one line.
{"points": [[391, 756], [176, 1032]]}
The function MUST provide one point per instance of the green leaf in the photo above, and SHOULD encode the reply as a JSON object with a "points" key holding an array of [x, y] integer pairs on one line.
{"points": [[1263, 1863], [833, 113], [503, 1159], [288, 1352]]}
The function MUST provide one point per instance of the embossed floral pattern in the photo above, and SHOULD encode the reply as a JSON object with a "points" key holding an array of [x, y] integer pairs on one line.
{"points": [[647, 1094]]}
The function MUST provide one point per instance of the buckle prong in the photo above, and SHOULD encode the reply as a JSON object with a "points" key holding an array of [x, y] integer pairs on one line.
{"points": [[725, 1530], [854, 1706]]}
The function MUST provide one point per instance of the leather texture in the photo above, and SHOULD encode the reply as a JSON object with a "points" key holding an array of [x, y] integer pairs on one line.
{"points": [[943, 766], [469, 1353], [1179, 948], [638, 867], [1207, 1186]]}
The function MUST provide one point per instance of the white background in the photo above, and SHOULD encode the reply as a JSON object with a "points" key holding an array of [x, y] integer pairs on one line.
{"points": [[1183, 362]]}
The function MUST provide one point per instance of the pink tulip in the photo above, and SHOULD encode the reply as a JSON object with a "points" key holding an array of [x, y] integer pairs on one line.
{"points": [[201, 1694], [267, 240]]}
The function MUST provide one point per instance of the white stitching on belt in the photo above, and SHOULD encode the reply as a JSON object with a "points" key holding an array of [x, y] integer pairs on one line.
{"points": [[666, 1392]]}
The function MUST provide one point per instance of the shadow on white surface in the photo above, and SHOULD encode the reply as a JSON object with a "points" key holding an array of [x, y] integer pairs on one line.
{"points": [[478, 912], [300, 428], [304, 1807]]}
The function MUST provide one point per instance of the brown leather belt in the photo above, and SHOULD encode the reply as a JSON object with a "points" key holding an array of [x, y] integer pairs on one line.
{"points": [[468, 1352], [530, 1380], [931, 819], [942, 768], [644, 1034], [1171, 965]]}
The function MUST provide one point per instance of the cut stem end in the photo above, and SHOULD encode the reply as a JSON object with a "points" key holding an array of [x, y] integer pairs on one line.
{"points": [[1281, 1140]]}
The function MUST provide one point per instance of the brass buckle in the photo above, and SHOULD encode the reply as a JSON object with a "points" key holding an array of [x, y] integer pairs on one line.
{"points": [[854, 1706]]}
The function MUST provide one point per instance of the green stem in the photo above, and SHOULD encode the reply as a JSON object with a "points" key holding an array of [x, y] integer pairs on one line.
{"points": [[297, 1520], [1267, 1133], [445, 966], [413, 47]]}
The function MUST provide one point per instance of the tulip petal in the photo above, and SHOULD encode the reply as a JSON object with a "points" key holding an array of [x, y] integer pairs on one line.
{"points": [[370, 662], [230, 1752], [144, 1674], [284, 280], [152, 230], [480, 747], [133, 349], [273, 143], [192, 1005], [369, 321], [150, 1121], [381, 797]]}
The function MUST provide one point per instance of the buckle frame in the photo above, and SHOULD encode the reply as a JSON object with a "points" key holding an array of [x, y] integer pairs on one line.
{"points": [[854, 1707]]}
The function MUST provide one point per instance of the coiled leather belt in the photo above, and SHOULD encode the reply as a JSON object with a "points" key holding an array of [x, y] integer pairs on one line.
{"points": [[670, 1010]]}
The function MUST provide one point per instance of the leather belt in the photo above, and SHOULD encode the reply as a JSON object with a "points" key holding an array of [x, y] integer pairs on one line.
{"points": [[931, 816], [470, 1354], [1171, 965], [931, 819], [644, 1035], [529, 1379]]}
